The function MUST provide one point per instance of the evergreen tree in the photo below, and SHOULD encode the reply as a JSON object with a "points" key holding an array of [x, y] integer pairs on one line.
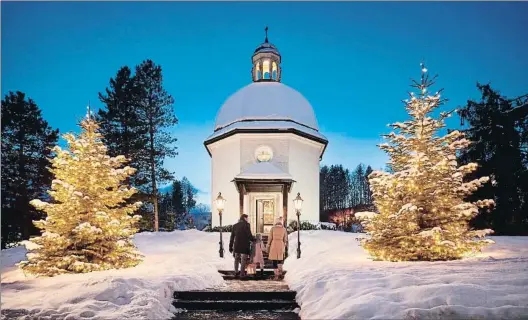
{"points": [[166, 212], [497, 135], [89, 224], [189, 193], [155, 112], [423, 212], [323, 193], [367, 191], [359, 181], [341, 189], [175, 206], [177, 199], [27, 140], [123, 133]]}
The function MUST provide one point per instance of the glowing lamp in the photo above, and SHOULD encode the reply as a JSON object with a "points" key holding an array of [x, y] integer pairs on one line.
{"points": [[297, 202], [220, 202]]}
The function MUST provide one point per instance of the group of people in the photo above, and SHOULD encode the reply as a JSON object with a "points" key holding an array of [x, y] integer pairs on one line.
{"points": [[249, 249]]}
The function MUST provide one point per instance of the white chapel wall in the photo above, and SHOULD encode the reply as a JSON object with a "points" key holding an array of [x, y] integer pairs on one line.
{"points": [[277, 142], [225, 165], [304, 167], [293, 154]]}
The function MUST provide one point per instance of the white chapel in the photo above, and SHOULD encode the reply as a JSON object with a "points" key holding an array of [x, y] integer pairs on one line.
{"points": [[265, 149]]}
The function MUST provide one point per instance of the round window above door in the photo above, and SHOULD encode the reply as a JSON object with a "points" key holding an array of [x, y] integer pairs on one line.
{"points": [[263, 154]]}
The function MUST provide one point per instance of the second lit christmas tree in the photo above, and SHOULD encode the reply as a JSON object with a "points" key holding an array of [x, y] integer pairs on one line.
{"points": [[423, 214]]}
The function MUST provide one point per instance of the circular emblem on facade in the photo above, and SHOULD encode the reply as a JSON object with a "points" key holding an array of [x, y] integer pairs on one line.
{"points": [[263, 154]]}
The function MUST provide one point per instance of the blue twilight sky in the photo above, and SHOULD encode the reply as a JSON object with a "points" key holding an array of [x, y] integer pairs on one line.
{"points": [[351, 60]]}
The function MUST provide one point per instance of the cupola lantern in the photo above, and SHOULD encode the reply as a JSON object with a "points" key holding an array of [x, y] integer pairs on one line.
{"points": [[266, 62]]}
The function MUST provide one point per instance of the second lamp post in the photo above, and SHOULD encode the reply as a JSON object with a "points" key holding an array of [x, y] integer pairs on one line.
{"points": [[298, 201], [220, 202]]}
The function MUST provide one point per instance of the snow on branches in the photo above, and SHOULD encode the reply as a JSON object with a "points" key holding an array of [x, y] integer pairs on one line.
{"points": [[423, 212], [89, 223]]}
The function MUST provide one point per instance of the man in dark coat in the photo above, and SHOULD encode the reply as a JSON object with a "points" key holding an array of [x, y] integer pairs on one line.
{"points": [[240, 243]]}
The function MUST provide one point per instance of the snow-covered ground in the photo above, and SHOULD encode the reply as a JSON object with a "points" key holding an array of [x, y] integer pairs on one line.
{"points": [[180, 260], [335, 279]]}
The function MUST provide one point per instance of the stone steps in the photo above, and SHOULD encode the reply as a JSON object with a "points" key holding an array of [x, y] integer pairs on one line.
{"points": [[237, 305], [266, 300], [266, 276], [267, 271], [235, 295], [237, 315]]}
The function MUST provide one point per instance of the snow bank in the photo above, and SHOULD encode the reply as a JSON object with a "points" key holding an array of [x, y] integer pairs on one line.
{"points": [[335, 279], [179, 260]]}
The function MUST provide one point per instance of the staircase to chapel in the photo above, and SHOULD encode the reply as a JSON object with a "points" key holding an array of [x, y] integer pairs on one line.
{"points": [[257, 297]]}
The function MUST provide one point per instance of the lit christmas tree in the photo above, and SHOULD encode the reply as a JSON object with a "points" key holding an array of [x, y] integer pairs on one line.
{"points": [[423, 214], [89, 223]]}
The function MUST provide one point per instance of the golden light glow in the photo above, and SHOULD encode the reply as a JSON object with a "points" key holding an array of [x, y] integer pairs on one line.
{"points": [[257, 71], [423, 214], [89, 225], [266, 72]]}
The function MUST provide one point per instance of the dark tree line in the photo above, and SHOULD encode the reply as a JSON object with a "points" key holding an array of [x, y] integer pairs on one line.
{"points": [[27, 140], [340, 189], [135, 122], [175, 205], [498, 128]]}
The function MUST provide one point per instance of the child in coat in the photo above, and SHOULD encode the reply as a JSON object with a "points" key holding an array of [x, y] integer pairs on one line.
{"points": [[257, 257]]}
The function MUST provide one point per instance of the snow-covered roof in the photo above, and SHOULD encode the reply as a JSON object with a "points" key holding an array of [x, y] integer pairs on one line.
{"points": [[259, 125], [266, 101], [264, 170]]}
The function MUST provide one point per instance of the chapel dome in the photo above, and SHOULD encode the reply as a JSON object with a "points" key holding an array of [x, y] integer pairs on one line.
{"points": [[266, 100]]}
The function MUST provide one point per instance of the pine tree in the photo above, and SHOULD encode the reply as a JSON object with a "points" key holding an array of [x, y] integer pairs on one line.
{"points": [[366, 190], [323, 193], [123, 133], [165, 210], [189, 192], [359, 180], [423, 212], [497, 135], [27, 140], [178, 202], [89, 224], [155, 112]]}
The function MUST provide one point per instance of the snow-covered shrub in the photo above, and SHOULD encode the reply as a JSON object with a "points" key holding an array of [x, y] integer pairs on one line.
{"points": [[227, 228], [305, 225]]}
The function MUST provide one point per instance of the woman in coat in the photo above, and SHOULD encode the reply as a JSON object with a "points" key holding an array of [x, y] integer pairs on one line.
{"points": [[277, 242]]}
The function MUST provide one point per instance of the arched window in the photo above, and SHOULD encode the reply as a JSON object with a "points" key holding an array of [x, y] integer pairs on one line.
{"points": [[274, 71], [257, 71], [259, 75], [266, 69]]}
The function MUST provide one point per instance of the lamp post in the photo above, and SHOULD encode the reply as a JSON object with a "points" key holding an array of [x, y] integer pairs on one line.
{"points": [[298, 201], [220, 202]]}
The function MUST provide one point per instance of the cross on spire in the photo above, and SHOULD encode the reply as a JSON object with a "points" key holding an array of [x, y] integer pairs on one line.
{"points": [[266, 30]]}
